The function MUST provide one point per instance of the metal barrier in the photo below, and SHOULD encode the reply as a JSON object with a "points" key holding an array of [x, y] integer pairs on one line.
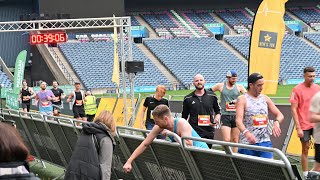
{"points": [[53, 139], [238, 165]]}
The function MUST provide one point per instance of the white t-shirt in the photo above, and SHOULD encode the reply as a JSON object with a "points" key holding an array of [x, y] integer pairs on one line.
{"points": [[315, 107]]}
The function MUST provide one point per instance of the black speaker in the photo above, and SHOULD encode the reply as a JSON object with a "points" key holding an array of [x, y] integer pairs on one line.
{"points": [[134, 66]]}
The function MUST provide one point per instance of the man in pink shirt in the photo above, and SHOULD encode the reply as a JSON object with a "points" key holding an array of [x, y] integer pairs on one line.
{"points": [[300, 102]]}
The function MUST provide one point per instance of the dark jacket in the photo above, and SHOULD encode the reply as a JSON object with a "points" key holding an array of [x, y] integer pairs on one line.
{"points": [[194, 106], [13, 166], [86, 161]]}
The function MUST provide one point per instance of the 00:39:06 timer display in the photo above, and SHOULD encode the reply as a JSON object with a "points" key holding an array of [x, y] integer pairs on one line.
{"points": [[48, 38]]}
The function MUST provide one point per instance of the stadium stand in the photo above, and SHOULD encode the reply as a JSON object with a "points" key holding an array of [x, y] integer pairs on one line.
{"points": [[295, 54], [13, 42], [165, 25], [134, 21], [187, 57], [314, 38], [286, 17], [238, 19], [197, 19], [4, 80], [310, 15], [99, 57]]}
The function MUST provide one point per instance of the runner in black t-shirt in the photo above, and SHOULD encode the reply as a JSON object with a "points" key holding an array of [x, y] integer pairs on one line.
{"points": [[150, 104], [25, 96], [56, 102]]}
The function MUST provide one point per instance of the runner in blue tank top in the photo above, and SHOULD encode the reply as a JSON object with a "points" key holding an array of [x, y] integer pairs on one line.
{"points": [[165, 122], [193, 134]]}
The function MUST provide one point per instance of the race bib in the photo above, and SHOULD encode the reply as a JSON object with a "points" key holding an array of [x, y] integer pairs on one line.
{"points": [[230, 106], [78, 102], [204, 120], [260, 120], [56, 99], [45, 103], [25, 98]]}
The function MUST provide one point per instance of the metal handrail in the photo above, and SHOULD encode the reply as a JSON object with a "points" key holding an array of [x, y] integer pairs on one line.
{"points": [[244, 146], [60, 64], [145, 132]]}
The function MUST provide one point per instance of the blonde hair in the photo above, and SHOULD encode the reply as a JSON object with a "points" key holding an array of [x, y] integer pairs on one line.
{"points": [[161, 88], [106, 118]]}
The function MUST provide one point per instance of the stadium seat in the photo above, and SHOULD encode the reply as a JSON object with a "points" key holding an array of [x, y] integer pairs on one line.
{"points": [[99, 57], [310, 15], [295, 55], [314, 38], [187, 57]]}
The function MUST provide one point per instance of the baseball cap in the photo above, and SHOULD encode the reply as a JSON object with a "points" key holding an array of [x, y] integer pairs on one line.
{"points": [[232, 73], [254, 77]]}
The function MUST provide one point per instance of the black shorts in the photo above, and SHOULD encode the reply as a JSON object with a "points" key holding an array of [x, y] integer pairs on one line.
{"points": [[229, 121], [78, 111], [26, 106], [56, 107], [317, 153], [306, 135], [90, 117]]}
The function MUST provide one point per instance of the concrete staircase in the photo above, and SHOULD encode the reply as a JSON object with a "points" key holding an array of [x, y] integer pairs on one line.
{"points": [[184, 23], [310, 44], [174, 81], [231, 30], [152, 33], [234, 51], [65, 66], [52, 64], [310, 29]]}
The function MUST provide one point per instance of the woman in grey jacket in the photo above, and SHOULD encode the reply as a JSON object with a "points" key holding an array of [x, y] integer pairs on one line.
{"points": [[92, 157]]}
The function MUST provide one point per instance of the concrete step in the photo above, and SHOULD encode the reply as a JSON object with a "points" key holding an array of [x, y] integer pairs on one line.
{"points": [[174, 81], [152, 33], [66, 65], [310, 44], [234, 51]]}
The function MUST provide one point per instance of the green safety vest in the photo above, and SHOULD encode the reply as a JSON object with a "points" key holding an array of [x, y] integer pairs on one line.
{"points": [[90, 106]]}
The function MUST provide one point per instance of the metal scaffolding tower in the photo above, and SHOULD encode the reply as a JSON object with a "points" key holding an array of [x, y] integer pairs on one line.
{"points": [[123, 23]]}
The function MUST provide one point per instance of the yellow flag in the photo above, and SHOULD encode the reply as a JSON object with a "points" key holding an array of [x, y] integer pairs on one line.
{"points": [[266, 40], [115, 74]]}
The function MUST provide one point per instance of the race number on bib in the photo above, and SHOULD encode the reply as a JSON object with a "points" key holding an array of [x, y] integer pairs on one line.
{"points": [[25, 98], [78, 102], [203, 120], [260, 120], [230, 106], [45, 103]]}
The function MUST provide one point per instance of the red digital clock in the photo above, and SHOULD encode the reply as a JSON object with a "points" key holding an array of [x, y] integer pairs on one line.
{"points": [[48, 38]]}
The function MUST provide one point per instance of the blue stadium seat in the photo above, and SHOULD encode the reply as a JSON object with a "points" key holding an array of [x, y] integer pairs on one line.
{"points": [[314, 38], [295, 55], [98, 56], [187, 57]]}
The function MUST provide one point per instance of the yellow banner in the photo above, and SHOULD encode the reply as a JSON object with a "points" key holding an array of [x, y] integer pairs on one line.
{"points": [[266, 40], [138, 117], [118, 112], [115, 73], [106, 104]]}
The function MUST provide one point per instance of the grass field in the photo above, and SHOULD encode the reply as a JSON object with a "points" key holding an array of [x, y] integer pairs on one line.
{"points": [[52, 171], [282, 95]]}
